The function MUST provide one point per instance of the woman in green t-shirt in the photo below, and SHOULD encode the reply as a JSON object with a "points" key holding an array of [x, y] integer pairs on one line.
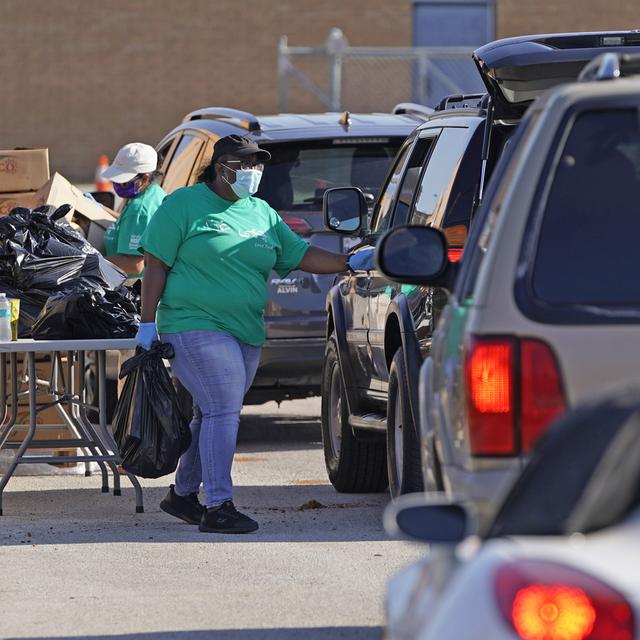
{"points": [[209, 250], [133, 174]]}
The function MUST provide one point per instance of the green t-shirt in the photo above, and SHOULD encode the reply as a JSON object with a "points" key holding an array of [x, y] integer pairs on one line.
{"points": [[220, 254], [123, 236]]}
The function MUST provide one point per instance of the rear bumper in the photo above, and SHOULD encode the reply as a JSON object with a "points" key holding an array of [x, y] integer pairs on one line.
{"points": [[485, 487], [291, 362]]}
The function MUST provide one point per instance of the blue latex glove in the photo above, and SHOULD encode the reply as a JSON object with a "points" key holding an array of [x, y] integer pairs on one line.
{"points": [[147, 335], [88, 194], [362, 260]]}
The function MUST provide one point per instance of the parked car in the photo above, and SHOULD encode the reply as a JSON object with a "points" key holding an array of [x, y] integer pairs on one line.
{"points": [[378, 330], [309, 154], [544, 308], [558, 562]]}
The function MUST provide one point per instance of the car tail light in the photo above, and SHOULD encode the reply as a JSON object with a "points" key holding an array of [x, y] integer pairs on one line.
{"points": [[541, 398], [544, 600], [489, 373], [513, 392], [299, 225], [456, 237]]}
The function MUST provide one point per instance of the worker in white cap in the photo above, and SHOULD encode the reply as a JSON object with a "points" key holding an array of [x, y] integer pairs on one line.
{"points": [[134, 176]]}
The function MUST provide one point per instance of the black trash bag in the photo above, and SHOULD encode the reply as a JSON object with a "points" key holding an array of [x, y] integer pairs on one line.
{"points": [[87, 313], [28, 237], [98, 270], [149, 428], [47, 223], [46, 273]]}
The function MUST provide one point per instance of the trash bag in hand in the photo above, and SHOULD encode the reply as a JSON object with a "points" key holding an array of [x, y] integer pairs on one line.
{"points": [[83, 313], [149, 428]]}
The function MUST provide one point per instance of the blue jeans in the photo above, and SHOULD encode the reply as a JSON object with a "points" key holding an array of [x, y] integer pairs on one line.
{"points": [[217, 370]]}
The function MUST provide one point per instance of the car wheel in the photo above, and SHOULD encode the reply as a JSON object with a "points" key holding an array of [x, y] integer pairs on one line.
{"points": [[353, 466], [91, 390], [403, 446]]}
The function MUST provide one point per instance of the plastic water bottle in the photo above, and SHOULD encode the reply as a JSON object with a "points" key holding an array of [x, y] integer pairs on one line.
{"points": [[5, 318]]}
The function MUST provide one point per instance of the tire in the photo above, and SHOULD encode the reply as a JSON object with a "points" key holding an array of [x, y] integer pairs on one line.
{"points": [[353, 466], [91, 387], [403, 446]]}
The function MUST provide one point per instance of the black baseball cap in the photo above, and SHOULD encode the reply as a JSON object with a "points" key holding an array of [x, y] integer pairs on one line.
{"points": [[238, 146]]}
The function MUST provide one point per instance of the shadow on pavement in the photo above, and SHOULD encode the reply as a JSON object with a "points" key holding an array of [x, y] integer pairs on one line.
{"points": [[276, 428], [309, 513], [311, 633]]}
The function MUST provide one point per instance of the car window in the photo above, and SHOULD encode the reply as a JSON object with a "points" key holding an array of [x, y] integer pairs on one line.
{"points": [[299, 173], [411, 177], [483, 224], [179, 171], [586, 254], [437, 179], [382, 213], [163, 152]]}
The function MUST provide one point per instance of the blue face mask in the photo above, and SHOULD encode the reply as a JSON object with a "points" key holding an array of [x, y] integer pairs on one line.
{"points": [[247, 182]]}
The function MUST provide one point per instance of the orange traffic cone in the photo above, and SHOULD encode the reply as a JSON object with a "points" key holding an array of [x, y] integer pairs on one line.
{"points": [[101, 183]]}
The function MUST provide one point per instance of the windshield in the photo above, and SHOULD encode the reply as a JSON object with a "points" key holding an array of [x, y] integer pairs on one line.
{"points": [[299, 173]]}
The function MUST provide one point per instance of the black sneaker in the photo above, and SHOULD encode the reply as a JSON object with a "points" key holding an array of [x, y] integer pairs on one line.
{"points": [[226, 519], [186, 508]]}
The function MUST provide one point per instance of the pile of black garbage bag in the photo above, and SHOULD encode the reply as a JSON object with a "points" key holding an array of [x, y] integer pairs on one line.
{"points": [[66, 288], [149, 428]]}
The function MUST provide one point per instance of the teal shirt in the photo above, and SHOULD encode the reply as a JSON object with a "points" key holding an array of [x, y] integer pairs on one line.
{"points": [[220, 255], [124, 235]]}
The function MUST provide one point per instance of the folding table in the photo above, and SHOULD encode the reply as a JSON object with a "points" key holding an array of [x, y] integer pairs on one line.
{"points": [[66, 391]]}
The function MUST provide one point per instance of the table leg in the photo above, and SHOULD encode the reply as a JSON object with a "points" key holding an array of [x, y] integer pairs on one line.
{"points": [[102, 417], [31, 358], [6, 430], [102, 395], [79, 416]]}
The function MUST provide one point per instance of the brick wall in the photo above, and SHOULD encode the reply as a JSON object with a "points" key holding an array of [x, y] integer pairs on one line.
{"points": [[516, 17], [84, 77]]}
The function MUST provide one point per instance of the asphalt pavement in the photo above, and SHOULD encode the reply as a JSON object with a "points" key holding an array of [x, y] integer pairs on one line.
{"points": [[77, 563]]}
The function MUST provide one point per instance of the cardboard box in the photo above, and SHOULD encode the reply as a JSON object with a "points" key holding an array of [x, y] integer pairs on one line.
{"points": [[29, 199], [88, 215], [23, 169]]}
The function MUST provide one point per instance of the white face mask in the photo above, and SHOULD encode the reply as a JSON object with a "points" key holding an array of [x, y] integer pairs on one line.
{"points": [[247, 182]]}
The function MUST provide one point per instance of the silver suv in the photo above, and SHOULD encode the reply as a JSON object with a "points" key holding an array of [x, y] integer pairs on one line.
{"points": [[544, 307]]}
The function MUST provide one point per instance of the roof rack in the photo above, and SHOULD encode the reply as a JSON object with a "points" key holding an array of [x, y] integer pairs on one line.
{"points": [[460, 101], [609, 66], [413, 109], [243, 119]]}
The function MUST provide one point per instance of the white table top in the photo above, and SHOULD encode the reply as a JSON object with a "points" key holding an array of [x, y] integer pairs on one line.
{"points": [[26, 345]]}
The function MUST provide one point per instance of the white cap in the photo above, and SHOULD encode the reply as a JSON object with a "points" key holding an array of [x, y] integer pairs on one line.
{"points": [[132, 159]]}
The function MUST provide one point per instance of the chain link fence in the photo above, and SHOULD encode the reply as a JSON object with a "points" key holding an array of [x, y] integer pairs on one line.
{"points": [[338, 77]]}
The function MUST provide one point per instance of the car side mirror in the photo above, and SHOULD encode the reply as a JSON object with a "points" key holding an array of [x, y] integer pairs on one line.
{"points": [[433, 520], [416, 255], [345, 210]]}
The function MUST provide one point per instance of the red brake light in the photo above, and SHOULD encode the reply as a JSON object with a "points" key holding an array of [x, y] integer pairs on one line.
{"points": [[513, 392], [489, 375], [544, 600], [299, 225], [542, 399], [455, 254]]}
